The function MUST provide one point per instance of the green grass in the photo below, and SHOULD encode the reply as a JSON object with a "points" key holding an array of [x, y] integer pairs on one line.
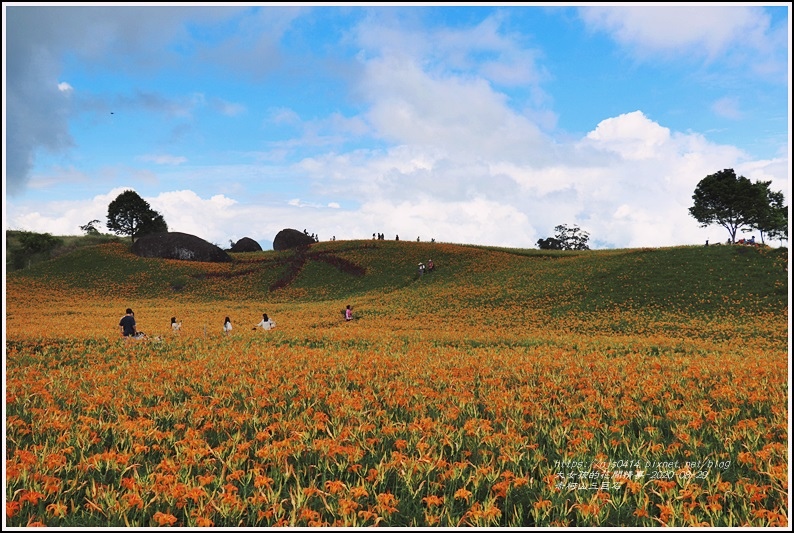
{"points": [[687, 280], [17, 258]]}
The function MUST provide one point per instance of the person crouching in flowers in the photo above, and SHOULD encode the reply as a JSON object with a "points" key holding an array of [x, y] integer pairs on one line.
{"points": [[227, 326], [266, 323], [175, 326], [127, 326]]}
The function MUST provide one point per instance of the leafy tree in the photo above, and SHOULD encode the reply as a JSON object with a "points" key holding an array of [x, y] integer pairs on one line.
{"points": [[769, 213], [734, 202], [33, 246], [156, 224], [549, 243], [565, 239], [90, 228], [34, 243], [129, 214], [573, 238]]}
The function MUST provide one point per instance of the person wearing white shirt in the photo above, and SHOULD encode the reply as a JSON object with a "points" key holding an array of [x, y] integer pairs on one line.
{"points": [[266, 323]]}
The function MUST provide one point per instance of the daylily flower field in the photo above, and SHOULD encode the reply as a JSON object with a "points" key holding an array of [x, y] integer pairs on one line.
{"points": [[503, 389]]}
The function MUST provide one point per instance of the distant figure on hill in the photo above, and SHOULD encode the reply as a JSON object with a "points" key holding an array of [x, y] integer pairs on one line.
{"points": [[430, 266], [127, 325], [421, 269], [348, 312], [175, 326], [397, 238], [266, 323], [227, 326]]}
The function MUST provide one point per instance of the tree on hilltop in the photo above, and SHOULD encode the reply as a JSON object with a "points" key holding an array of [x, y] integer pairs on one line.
{"points": [[90, 228], [549, 243], [566, 238], [129, 214], [769, 214], [734, 202]]}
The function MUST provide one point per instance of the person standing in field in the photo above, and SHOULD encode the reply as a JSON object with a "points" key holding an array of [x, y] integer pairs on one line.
{"points": [[127, 324], [227, 326], [348, 313], [266, 323]]}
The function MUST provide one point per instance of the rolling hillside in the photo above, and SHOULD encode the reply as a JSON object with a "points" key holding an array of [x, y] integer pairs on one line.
{"points": [[672, 289]]}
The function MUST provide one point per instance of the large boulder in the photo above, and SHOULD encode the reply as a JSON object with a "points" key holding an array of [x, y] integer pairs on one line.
{"points": [[175, 245], [246, 244], [291, 238]]}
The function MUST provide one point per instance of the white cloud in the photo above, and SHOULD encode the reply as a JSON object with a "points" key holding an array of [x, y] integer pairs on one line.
{"points": [[63, 217], [65, 87], [462, 117], [702, 30], [631, 135]]}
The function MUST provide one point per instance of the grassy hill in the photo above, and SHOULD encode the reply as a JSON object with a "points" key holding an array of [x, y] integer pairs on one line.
{"points": [[526, 286]]}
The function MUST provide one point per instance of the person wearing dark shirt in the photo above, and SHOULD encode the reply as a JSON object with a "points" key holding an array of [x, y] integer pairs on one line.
{"points": [[127, 324]]}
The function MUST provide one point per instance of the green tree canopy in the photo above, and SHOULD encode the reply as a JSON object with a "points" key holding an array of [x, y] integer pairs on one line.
{"points": [[129, 214], [549, 243], [566, 238], [90, 228], [770, 214], [33, 243], [734, 202], [573, 238]]}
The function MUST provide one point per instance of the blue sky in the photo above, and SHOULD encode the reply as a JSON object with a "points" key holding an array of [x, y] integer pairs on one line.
{"points": [[465, 124]]}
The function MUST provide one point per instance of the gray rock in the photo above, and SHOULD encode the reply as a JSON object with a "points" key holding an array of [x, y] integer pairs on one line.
{"points": [[291, 238], [246, 244], [182, 246]]}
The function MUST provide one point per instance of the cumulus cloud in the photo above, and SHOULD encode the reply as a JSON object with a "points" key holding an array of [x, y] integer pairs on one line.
{"points": [[632, 136], [63, 217], [410, 106]]}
